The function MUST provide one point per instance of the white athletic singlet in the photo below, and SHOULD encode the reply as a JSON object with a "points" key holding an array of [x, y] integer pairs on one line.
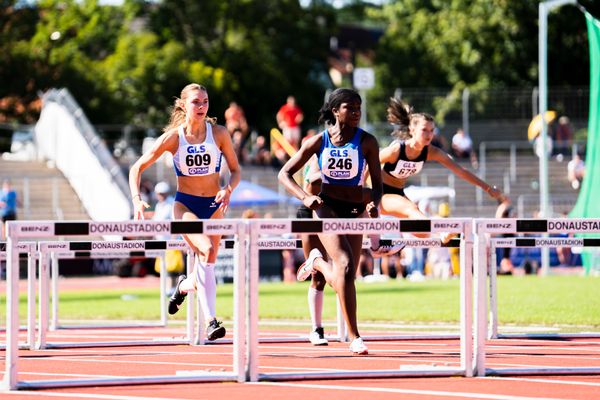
{"points": [[197, 159]]}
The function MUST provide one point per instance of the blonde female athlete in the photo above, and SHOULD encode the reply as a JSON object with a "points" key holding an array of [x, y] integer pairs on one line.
{"points": [[197, 145], [344, 152]]}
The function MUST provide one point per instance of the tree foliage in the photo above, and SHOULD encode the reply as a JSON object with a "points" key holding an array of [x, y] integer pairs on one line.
{"points": [[476, 44], [125, 64]]}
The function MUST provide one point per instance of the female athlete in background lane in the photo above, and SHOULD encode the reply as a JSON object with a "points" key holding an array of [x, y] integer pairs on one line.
{"points": [[344, 152], [405, 157], [312, 186], [197, 145]]}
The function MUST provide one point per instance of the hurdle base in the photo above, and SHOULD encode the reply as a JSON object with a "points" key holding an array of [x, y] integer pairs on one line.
{"points": [[56, 384], [549, 336], [366, 374], [71, 345], [542, 371]]}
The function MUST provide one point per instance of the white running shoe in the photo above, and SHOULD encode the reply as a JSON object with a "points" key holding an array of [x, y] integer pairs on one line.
{"points": [[358, 347], [307, 267], [386, 250], [317, 337]]}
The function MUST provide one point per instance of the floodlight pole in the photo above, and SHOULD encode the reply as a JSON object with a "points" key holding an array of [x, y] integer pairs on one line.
{"points": [[544, 8]]}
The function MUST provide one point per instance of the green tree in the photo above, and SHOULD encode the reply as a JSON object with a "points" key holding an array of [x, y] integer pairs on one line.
{"points": [[475, 44], [60, 51], [267, 50]]}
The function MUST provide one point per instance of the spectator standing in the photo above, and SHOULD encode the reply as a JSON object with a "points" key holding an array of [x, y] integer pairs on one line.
{"points": [[235, 119], [439, 140], [289, 117], [564, 136], [462, 146], [439, 259], [8, 205], [576, 171], [260, 153], [237, 137]]}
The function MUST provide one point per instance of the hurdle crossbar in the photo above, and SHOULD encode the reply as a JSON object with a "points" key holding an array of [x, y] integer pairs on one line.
{"points": [[18, 230], [361, 227], [482, 229]]}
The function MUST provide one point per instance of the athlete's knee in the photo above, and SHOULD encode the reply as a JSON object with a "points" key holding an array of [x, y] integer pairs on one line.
{"points": [[343, 264], [204, 250]]}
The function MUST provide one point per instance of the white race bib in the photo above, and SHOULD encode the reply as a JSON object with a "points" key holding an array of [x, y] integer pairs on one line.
{"points": [[199, 159], [340, 163]]}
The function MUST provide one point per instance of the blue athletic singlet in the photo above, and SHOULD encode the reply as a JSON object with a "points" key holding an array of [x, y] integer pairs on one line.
{"points": [[197, 159], [403, 167], [343, 165]]}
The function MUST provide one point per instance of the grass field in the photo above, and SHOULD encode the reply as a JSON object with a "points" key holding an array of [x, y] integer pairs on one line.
{"points": [[564, 301]]}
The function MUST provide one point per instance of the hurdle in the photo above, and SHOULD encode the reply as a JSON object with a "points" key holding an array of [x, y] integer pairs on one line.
{"points": [[528, 242], [361, 227], [27, 250], [18, 230], [56, 250], [112, 249], [482, 228], [272, 243]]}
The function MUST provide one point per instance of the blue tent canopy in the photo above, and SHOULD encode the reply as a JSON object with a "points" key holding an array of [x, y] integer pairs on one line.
{"points": [[251, 194]]}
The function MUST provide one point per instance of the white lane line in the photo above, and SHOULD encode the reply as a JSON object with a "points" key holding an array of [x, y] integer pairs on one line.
{"points": [[82, 395], [70, 375], [428, 393], [120, 353], [594, 349], [558, 382]]}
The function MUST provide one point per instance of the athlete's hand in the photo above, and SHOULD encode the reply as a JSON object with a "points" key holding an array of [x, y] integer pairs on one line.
{"points": [[372, 210], [139, 206], [495, 193], [222, 197], [312, 202]]}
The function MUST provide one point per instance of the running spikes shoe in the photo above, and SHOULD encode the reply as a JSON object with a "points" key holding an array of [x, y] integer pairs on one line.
{"points": [[386, 248], [177, 297], [358, 347], [307, 267], [317, 337], [215, 330]]}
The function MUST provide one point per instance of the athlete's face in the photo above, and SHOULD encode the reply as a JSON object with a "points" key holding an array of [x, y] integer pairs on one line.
{"points": [[422, 131], [348, 113], [196, 104]]}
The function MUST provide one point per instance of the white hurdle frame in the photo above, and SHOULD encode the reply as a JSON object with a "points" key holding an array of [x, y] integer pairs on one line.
{"points": [[40, 229], [27, 250], [273, 243], [56, 250], [482, 229], [529, 242], [362, 226]]}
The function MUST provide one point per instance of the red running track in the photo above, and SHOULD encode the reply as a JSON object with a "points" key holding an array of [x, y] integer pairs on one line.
{"points": [[106, 362]]}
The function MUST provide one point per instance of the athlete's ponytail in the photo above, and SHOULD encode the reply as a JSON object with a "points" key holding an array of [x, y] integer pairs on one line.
{"points": [[402, 116]]}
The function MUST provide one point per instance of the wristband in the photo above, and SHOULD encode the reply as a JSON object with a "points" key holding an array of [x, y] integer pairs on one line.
{"points": [[137, 195]]}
